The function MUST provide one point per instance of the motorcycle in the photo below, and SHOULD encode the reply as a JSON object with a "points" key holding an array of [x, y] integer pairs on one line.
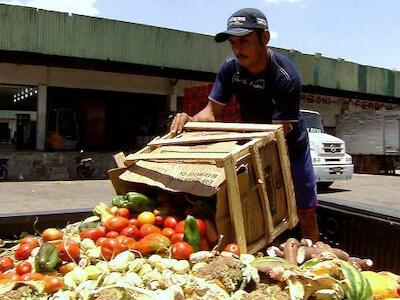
{"points": [[85, 166], [3, 168]]}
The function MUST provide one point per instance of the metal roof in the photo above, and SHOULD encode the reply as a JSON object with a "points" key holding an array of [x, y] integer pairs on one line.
{"points": [[32, 30]]}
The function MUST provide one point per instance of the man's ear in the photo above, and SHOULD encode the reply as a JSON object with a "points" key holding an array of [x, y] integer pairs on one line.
{"points": [[266, 37]]}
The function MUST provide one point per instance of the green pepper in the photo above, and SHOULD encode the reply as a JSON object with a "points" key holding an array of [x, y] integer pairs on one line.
{"points": [[192, 232], [47, 258], [87, 225], [135, 202], [117, 200]]}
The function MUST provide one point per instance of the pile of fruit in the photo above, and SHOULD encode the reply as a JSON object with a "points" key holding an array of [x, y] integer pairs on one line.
{"points": [[138, 248]]}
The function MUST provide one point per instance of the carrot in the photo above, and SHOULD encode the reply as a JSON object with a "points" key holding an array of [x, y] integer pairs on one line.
{"points": [[362, 264], [305, 253], [290, 250]]}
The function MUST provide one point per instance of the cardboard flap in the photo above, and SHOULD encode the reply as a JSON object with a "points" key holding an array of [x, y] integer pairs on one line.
{"points": [[194, 178]]}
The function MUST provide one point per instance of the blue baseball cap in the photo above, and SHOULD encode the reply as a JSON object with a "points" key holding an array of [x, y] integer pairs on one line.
{"points": [[243, 22]]}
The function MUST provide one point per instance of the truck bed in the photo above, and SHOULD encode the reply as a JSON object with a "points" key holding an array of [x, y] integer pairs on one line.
{"points": [[361, 216]]}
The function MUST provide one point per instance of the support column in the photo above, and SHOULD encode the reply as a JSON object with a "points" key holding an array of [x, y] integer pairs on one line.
{"points": [[41, 117], [172, 96], [173, 103]]}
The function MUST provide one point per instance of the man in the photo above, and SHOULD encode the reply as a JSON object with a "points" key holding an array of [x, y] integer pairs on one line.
{"points": [[267, 87]]}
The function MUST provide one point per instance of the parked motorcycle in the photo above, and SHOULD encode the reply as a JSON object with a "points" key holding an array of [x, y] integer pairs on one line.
{"points": [[3, 168], [85, 166]]}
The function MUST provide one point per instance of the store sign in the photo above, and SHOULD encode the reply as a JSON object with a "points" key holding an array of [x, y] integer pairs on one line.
{"points": [[319, 99], [349, 104]]}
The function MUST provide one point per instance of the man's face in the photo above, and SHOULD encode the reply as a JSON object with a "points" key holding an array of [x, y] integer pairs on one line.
{"points": [[249, 48]]}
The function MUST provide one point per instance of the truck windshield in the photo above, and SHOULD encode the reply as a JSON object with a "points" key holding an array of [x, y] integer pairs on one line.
{"points": [[313, 121]]}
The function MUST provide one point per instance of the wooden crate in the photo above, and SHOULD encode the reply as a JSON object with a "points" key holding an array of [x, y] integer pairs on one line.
{"points": [[256, 202]]}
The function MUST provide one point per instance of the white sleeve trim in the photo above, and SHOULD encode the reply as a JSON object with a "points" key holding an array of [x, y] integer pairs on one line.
{"points": [[274, 121], [213, 100]]}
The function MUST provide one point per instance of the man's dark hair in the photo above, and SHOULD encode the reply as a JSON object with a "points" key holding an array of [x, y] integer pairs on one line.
{"points": [[260, 33]]}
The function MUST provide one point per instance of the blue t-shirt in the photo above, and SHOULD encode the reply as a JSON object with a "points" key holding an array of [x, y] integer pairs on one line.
{"points": [[272, 95]]}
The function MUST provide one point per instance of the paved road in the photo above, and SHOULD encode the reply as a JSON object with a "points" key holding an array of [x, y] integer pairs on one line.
{"points": [[377, 193], [37, 196], [372, 192]]}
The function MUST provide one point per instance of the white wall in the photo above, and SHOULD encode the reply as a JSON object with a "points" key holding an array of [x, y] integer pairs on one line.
{"points": [[88, 79]]}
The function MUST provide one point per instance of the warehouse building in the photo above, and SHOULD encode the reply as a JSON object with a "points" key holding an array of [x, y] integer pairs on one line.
{"points": [[69, 82]]}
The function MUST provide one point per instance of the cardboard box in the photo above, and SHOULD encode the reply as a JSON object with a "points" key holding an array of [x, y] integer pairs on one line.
{"points": [[245, 167]]}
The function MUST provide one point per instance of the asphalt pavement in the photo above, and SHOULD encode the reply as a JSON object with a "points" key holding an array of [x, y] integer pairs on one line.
{"points": [[377, 193]]}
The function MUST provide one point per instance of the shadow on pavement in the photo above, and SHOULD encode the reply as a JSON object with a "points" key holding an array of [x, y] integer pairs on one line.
{"points": [[332, 190]]}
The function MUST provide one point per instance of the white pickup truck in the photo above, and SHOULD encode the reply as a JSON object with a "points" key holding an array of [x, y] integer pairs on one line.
{"points": [[328, 153]]}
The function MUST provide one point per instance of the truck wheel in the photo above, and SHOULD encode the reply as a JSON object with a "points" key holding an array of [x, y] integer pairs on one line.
{"points": [[3, 172], [324, 185]]}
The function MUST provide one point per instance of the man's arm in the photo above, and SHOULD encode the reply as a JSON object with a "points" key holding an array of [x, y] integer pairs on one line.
{"points": [[287, 124], [211, 113]]}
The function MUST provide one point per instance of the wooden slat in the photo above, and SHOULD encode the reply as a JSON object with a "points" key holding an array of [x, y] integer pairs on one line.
{"points": [[287, 177], [243, 150], [148, 149], [119, 159], [262, 190], [206, 156], [257, 245], [235, 206], [240, 127], [284, 225], [209, 139]]}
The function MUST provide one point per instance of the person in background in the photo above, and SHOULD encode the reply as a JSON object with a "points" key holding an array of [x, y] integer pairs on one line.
{"points": [[267, 86]]}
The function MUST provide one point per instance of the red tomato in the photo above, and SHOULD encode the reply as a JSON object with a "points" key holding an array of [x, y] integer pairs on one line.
{"points": [[146, 229], [126, 242], [1, 275], [181, 250], [52, 284], [102, 230], [171, 222], [123, 212], [6, 263], [68, 267], [112, 234], [100, 240], [204, 244], [23, 251], [202, 227], [51, 234], [116, 223], [92, 233], [159, 221], [168, 232], [233, 248], [23, 268], [177, 237], [69, 251], [31, 276], [31, 240], [110, 248], [11, 275], [180, 227], [131, 231], [134, 222]]}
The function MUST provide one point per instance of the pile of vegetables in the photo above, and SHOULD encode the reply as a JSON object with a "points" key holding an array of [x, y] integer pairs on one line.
{"points": [[140, 248]]}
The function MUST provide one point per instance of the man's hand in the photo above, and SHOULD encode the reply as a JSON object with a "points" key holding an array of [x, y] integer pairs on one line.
{"points": [[287, 125], [179, 121]]}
